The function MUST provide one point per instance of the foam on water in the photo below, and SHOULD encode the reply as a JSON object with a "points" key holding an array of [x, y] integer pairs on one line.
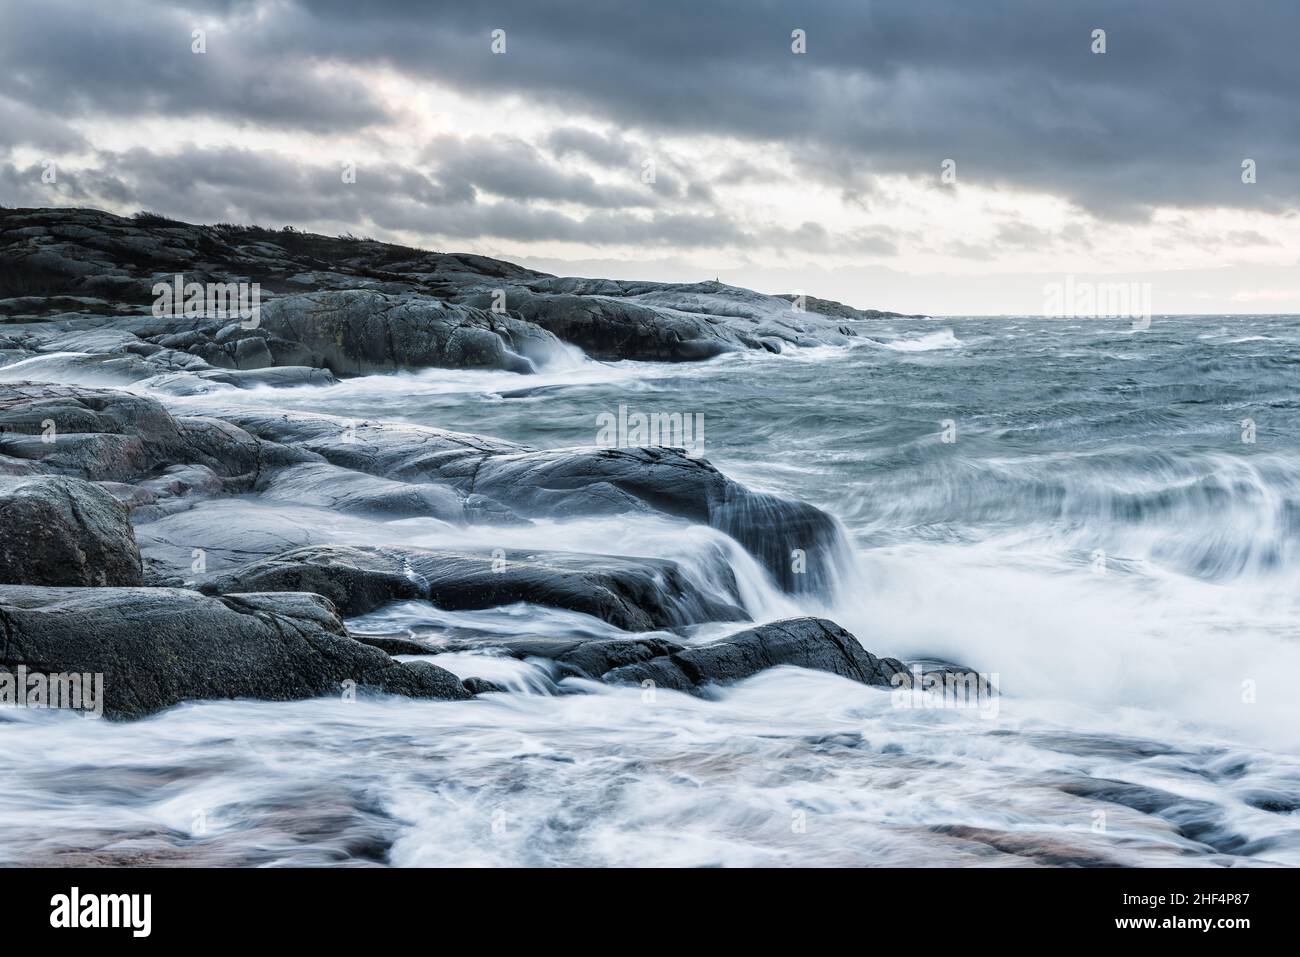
{"points": [[791, 767], [926, 342], [1098, 535]]}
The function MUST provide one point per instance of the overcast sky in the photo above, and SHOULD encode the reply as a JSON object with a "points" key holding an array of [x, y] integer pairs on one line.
{"points": [[818, 171]]}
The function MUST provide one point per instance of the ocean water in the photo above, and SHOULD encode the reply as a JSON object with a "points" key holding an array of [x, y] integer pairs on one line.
{"points": [[1106, 520]]}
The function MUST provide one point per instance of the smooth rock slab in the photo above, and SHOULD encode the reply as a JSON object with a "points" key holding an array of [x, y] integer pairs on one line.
{"points": [[358, 332], [230, 532], [322, 485], [634, 594], [804, 642], [670, 322], [159, 646], [109, 435], [567, 482], [578, 658], [813, 643]]}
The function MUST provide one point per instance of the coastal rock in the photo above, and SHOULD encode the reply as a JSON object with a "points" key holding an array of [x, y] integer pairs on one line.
{"points": [[322, 485], [813, 643], [631, 594], [556, 483], [113, 351], [588, 658], [319, 460], [110, 435], [56, 530], [357, 332], [838, 310], [106, 435], [666, 322], [804, 642], [97, 434], [478, 686], [220, 534], [355, 305], [612, 329], [157, 647]]}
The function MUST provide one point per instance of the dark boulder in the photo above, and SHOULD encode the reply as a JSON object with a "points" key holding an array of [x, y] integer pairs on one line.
{"points": [[56, 530], [799, 545], [156, 647], [477, 686], [577, 658], [667, 322], [356, 332], [804, 642], [611, 329], [321, 485], [109, 435], [634, 594]]}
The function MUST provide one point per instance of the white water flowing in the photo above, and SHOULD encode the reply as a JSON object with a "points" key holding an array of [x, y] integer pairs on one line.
{"points": [[1098, 536]]}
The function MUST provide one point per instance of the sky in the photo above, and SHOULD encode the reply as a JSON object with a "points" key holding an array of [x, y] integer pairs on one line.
{"points": [[933, 156]]}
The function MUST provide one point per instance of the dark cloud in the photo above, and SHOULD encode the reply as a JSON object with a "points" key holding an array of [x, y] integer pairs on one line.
{"points": [[510, 167], [610, 151], [23, 124], [1007, 88], [249, 186], [129, 58]]}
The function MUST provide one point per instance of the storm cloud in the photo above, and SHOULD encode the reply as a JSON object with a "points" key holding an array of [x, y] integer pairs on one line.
{"points": [[1011, 91]]}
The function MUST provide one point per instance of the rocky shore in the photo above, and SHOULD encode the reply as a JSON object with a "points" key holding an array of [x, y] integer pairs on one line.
{"points": [[179, 554]]}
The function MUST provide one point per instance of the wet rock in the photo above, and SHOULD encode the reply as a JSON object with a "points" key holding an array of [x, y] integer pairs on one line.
{"points": [[799, 545], [106, 435], [588, 658], [322, 485], [56, 530], [109, 435], [670, 322], [395, 646], [1038, 848], [1196, 819], [320, 460], [220, 534], [205, 380], [631, 594], [380, 306], [356, 332], [98, 434], [612, 329], [803, 642], [156, 647], [813, 643], [111, 351]]}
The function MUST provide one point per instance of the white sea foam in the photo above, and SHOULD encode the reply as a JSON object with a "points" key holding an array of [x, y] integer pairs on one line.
{"points": [[1098, 534], [927, 342]]}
